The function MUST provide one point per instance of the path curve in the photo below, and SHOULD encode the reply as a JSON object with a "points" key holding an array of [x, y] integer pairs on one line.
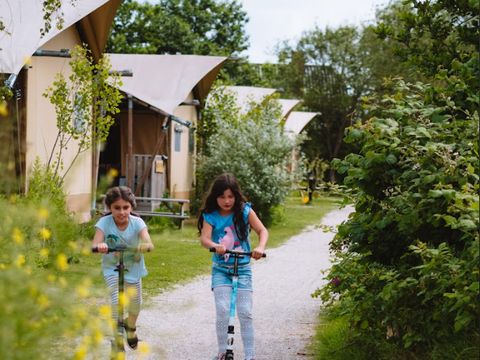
{"points": [[180, 324]]}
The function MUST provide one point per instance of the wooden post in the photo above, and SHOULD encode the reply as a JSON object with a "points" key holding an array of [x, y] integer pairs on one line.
{"points": [[130, 160]]}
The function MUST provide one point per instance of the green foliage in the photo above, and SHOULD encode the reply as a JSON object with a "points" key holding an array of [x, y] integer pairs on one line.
{"points": [[205, 27], [43, 183], [407, 260], [53, 15], [254, 148], [38, 242], [84, 106], [330, 70], [430, 35]]}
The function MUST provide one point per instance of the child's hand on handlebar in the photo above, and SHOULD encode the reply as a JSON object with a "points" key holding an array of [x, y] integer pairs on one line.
{"points": [[220, 249], [145, 247], [258, 252], [102, 248]]}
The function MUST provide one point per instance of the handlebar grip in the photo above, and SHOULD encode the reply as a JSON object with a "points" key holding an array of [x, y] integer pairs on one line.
{"points": [[110, 250], [212, 249]]}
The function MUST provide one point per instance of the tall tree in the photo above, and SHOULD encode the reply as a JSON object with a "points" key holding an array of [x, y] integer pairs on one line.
{"points": [[203, 27], [326, 69]]}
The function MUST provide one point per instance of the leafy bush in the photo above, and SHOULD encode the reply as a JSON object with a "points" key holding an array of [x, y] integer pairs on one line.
{"points": [[254, 148], [407, 260]]}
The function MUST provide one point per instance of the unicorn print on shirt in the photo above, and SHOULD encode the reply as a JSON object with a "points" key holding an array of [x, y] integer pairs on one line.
{"points": [[229, 241]]}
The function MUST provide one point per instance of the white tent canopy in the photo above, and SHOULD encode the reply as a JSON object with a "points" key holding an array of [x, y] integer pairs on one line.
{"points": [[287, 106], [297, 120], [23, 20], [248, 94], [165, 81]]}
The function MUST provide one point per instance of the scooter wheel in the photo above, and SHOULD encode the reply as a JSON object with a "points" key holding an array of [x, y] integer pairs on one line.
{"points": [[228, 356]]}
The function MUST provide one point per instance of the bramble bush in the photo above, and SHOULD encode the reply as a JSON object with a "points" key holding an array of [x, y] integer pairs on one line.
{"points": [[406, 269]]}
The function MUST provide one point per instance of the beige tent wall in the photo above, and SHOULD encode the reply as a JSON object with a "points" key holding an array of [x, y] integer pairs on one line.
{"points": [[182, 162], [41, 123]]}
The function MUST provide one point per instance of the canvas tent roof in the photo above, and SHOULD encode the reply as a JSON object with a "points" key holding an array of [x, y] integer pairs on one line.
{"points": [[23, 20], [297, 120], [247, 94], [287, 106], [164, 81]]}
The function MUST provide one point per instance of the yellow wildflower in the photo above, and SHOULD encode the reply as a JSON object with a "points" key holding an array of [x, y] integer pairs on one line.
{"points": [[113, 173], [45, 234], [63, 282], [51, 278], [105, 311], [44, 252], [143, 348], [81, 353], [17, 236], [123, 299], [3, 108], [97, 337], [131, 292], [43, 302], [62, 263], [20, 261], [43, 213], [83, 290]]}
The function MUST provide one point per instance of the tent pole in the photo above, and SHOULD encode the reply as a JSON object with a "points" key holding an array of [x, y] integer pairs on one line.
{"points": [[130, 160]]}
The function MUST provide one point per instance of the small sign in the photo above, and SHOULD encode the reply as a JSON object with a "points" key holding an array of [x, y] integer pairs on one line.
{"points": [[159, 167]]}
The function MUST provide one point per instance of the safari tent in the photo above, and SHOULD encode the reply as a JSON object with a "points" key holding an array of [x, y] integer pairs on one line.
{"points": [[152, 144], [29, 62], [297, 120], [245, 95]]}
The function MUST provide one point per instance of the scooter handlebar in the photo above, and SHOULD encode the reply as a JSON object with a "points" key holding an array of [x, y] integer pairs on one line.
{"points": [[118, 248], [234, 252]]}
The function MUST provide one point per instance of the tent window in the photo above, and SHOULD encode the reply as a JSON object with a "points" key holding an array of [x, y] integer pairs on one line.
{"points": [[178, 137]]}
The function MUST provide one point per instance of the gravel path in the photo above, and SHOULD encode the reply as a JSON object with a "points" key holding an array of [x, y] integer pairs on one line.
{"points": [[180, 324]]}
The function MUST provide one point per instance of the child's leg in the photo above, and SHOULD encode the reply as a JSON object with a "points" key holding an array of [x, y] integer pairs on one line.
{"points": [[244, 311], [222, 307], [134, 293], [112, 284]]}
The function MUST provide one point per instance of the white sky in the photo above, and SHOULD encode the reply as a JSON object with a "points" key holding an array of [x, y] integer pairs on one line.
{"points": [[272, 21]]}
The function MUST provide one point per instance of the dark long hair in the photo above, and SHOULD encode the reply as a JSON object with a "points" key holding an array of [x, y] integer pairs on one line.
{"points": [[220, 184]]}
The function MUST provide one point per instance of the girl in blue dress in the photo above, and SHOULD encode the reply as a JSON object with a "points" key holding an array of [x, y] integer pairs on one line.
{"points": [[224, 224]]}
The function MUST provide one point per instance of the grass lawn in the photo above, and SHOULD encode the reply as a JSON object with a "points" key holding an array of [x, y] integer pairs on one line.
{"points": [[179, 257]]}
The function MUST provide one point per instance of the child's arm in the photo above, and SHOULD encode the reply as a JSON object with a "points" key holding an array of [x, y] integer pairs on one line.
{"points": [[262, 233], [145, 241], [206, 239], [98, 241]]}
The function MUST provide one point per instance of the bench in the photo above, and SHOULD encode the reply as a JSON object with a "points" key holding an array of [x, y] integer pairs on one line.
{"points": [[181, 214]]}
